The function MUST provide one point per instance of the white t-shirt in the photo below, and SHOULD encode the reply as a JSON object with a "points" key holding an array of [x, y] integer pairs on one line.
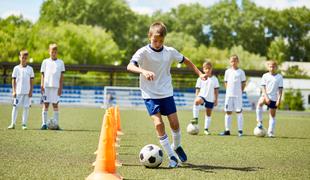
{"points": [[272, 84], [234, 79], [207, 88], [158, 62], [52, 70], [22, 76]]}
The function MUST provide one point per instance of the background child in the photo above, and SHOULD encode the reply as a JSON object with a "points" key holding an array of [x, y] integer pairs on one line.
{"points": [[272, 88], [153, 63], [22, 86], [235, 83], [52, 70], [207, 95]]}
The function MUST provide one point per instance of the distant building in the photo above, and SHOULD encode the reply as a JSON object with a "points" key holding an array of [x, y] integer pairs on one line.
{"points": [[304, 66], [253, 89]]}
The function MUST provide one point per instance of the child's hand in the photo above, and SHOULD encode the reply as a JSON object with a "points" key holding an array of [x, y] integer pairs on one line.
{"points": [[203, 76], [59, 91], [14, 94], [148, 75], [278, 103], [267, 100], [215, 102], [30, 94], [42, 90]]}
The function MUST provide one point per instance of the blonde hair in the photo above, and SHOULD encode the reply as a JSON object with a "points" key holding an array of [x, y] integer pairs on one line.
{"points": [[207, 63], [157, 29], [23, 52], [53, 46], [234, 57], [272, 62]]}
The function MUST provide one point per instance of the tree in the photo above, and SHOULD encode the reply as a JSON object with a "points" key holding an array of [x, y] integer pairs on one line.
{"points": [[278, 51]]}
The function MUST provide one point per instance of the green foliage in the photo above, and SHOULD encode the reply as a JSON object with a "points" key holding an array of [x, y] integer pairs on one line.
{"points": [[295, 72], [278, 51], [293, 100]]}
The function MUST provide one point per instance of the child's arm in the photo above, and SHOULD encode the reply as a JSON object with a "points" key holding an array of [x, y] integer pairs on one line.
{"points": [[279, 97], [31, 87], [61, 84], [149, 75], [216, 94], [197, 91], [243, 85], [42, 83], [14, 87], [189, 64]]}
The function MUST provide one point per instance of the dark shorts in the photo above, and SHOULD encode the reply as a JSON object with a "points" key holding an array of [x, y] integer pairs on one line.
{"points": [[272, 105], [165, 106], [207, 104]]}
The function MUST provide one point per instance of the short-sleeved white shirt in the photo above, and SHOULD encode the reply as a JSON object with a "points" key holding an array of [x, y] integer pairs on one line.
{"points": [[272, 84], [158, 62], [207, 88], [234, 79], [22, 76], [52, 70]]}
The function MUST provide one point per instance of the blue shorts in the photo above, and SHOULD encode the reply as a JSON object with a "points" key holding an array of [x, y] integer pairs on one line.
{"points": [[165, 106], [272, 105], [207, 104]]}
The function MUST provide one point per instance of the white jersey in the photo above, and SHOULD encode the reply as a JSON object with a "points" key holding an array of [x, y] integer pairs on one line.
{"points": [[52, 70], [207, 88], [22, 76], [272, 84], [234, 79], [159, 62]]}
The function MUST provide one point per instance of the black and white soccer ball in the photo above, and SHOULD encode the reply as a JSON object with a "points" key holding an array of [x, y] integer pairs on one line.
{"points": [[52, 124], [192, 129], [151, 156], [259, 132]]}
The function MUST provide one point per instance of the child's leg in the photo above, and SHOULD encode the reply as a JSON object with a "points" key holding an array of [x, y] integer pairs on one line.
{"points": [[228, 120], [44, 113], [14, 115], [272, 120], [198, 101], [56, 112], [259, 112], [240, 121], [25, 115], [208, 118], [160, 130]]}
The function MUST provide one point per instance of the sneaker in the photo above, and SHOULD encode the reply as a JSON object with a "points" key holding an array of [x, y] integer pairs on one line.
{"points": [[24, 127], [44, 127], [57, 128], [225, 133], [260, 126], [240, 133], [194, 121], [270, 134], [206, 131], [180, 152], [173, 162], [12, 126]]}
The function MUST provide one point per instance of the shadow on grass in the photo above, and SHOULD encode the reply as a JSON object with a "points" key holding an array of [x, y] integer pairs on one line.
{"points": [[209, 168], [277, 137], [62, 130], [139, 165]]}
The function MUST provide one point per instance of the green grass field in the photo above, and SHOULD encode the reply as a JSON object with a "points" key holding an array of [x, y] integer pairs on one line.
{"points": [[68, 154]]}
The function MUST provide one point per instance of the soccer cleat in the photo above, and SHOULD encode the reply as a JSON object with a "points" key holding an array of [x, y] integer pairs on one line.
{"points": [[44, 127], [173, 162], [180, 152], [206, 131], [24, 127], [240, 133], [194, 121], [225, 133], [260, 126], [270, 134], [12, 126], [58, 128]]}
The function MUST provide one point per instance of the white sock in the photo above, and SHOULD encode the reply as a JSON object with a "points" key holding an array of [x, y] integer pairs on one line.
{"points": [[56, 116], [176, 135], [25, 115], [195, 111], [44, 117], [227, 122], [207, 121], [259, 115], [272, 124], [240, 121], [164, 141], [14, 114]]}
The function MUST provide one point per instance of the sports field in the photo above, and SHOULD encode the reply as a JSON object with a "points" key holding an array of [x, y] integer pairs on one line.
{"points": [[68, 154]]}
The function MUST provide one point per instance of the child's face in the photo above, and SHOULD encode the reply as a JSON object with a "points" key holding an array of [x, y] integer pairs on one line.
{"points": [[23, 59], [157, 41], [53, 53], [234, 63], [272, 68], [207, 70]]}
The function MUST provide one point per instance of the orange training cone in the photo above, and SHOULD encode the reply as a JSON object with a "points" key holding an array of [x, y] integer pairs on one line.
{"points": [[105, 161], [118, 121]]}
